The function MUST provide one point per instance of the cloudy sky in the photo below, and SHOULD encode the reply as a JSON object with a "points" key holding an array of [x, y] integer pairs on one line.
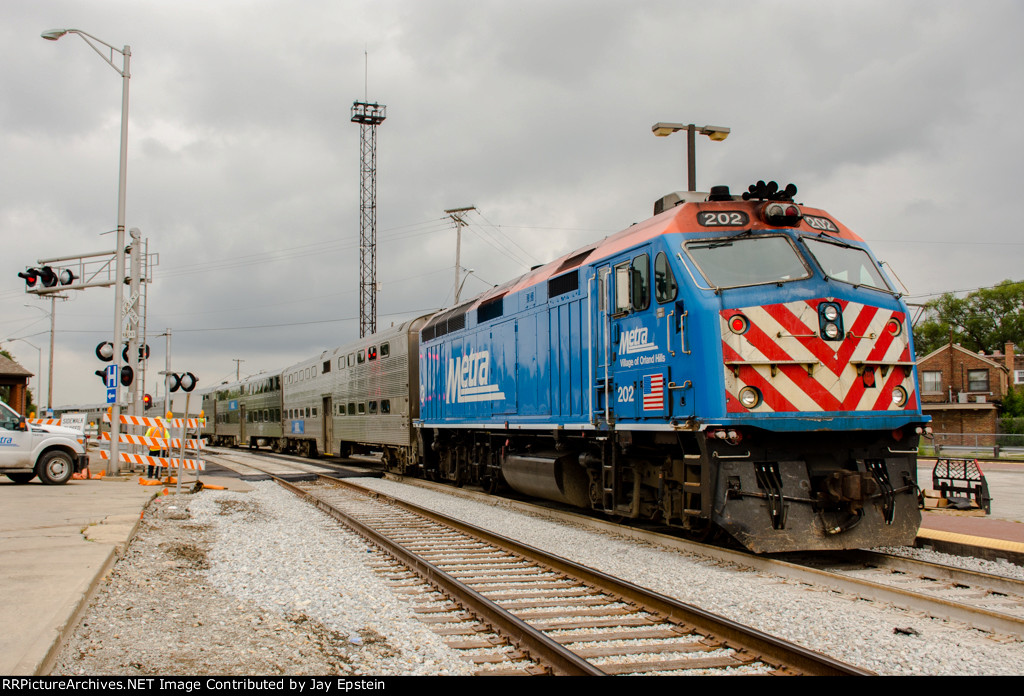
{"points": [[899, 117]]}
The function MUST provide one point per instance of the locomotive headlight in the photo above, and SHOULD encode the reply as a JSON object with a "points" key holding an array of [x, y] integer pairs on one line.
{"points": [[781, 214], [899, 396], [750, 397], [894, 327], [831, 331], [831, 312]]}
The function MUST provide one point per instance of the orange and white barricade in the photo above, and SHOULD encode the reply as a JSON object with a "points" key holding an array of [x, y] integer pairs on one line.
{"points": [[171, 444]]}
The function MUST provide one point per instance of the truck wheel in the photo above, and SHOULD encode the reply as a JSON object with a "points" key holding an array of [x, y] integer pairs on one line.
{"points": [[21, 477], [55, 468]]}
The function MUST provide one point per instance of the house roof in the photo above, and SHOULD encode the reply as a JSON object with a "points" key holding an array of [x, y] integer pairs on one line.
{"points": [[9, 368], [963, 350]]}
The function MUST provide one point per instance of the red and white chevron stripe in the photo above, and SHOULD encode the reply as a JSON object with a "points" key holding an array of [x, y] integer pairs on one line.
{"points": [[785, 358]]}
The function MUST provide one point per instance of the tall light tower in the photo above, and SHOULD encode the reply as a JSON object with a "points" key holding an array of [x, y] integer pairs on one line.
{"points": [[368, 116]]}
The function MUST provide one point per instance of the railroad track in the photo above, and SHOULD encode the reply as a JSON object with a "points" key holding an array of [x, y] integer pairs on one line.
{"points": [[553, 615], [985, 601], [991, 603], [249, 463]]}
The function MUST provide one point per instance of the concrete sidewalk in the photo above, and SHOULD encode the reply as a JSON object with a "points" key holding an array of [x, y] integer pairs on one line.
{"points": [[57, 544]]}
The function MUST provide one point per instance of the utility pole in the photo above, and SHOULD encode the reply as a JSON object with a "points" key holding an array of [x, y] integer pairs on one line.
{"points": [[456, 215]]}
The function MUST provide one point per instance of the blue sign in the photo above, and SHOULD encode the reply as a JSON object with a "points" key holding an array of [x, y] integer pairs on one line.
{"points": [[298, 427], [112, 396], [233, 405], [112, 371]]}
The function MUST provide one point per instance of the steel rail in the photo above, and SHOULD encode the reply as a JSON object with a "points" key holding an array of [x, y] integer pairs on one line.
{"points": [[771, 649], [539, 645], [976, 617]]}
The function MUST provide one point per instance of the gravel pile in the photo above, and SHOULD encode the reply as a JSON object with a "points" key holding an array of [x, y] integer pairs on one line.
{"points": [[260, 584]]}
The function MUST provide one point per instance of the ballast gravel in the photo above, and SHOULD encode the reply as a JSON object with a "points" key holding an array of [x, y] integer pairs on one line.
{"points": [[862, 633], [260, 583]]}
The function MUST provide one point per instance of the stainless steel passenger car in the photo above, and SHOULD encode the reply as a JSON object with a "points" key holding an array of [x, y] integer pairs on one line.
{"points": [[362, 396], [246, 413]]}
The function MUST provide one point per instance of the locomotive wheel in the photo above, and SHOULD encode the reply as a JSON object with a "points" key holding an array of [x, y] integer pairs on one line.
{"points": [[303, 448], [276, 447]]}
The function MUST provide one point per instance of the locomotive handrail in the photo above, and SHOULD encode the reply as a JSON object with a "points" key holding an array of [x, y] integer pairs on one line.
{"points": [[735, 365]]}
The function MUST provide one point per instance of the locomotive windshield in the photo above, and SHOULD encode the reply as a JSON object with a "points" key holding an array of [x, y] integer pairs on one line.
{"points": [[738, 261], [846, 264]]}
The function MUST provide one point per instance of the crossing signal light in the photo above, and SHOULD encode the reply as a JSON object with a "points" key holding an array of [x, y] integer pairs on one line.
{"points": [[102, 374], [31, 275], [185, 381], [143, 352], [127, 376], [66, 277], [47, 277], [147, 400], [105, 351]]}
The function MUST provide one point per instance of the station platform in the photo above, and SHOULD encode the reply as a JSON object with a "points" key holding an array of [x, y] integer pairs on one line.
{"points": [[58, 543], [983, 537]]}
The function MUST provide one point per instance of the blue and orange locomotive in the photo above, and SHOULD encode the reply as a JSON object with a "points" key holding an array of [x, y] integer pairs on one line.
{"points": [[734, 362]]}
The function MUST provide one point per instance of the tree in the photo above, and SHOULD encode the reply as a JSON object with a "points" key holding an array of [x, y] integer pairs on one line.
{"points": [[984, 320]]}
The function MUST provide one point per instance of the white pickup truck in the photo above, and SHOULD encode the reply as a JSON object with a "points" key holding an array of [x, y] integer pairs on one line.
{"points": [[50, 452]]}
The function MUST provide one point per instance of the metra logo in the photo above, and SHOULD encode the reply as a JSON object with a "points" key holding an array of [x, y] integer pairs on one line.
{"points": [[635, 341], [6, 441], [468, 377]]}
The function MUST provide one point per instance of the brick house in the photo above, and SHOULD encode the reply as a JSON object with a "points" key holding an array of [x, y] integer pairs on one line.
{"points": [[962, 390], [15, 378]]}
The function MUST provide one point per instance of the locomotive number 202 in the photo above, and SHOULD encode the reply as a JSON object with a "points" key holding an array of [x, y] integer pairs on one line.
{"points": [[725, 218]]}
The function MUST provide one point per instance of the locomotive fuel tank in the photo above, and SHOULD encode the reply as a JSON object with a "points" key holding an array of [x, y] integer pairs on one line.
{"points": [[551, 476]]}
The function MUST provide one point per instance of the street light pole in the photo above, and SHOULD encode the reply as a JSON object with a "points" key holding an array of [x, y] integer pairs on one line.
{"points": [[716, 133], [53, 328], [113, 464]]}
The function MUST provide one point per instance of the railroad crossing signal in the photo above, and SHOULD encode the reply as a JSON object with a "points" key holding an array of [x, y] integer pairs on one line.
{"points": [[47, 277], [186, 381]]}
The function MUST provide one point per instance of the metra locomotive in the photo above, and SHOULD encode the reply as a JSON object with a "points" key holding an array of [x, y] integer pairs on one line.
{"points": [[736, 363]]}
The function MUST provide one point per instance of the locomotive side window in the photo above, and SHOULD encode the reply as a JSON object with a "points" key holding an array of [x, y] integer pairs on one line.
{"points": [[622, 297], [665, 288], [640, 277], [741, 261], [385, 350], [373, 407], [351, 409], [846, 264], [385, 406], [361, 357]]}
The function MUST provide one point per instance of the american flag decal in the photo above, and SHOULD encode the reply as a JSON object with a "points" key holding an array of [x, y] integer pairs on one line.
{"points": [[654, 392]]}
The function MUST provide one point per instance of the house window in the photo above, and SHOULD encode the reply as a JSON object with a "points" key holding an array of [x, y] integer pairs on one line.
{"points": [[977, 380], [1018, 376], [931, 381]]}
